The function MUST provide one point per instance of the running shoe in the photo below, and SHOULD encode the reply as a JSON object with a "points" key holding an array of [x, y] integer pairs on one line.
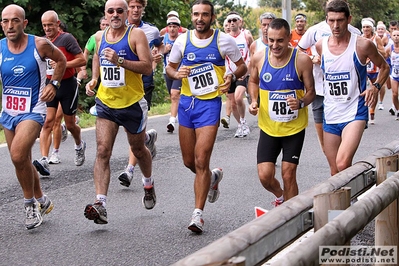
{"points": [[372, 121], [197, 223], [170, 127], [46, 207], [397, 116], [391, 111], [245, 129], [149, 198], [239, 133], [216, 177], [380, 106], [96, 212], [42, 166], [64, 132], [80, 155], [33, 217], [277, 202], [126, 177], [225, 121], [54, 158], [153, 135]]}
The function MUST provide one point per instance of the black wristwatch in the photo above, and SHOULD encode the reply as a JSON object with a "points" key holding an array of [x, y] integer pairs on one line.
{"points": [[55, 83], [377, 85]]}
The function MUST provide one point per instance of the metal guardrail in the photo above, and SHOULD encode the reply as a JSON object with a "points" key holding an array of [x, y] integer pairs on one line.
{"points": [[261, 238], [345, 226]]}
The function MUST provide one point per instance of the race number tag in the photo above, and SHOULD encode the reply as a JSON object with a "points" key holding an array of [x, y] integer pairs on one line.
{"points": [[279, 110], [338, 86], [49, 68], [16, 100], [395, 71], [203, 79], [113, 76]]}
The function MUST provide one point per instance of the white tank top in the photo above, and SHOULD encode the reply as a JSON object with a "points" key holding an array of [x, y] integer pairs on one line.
{"points": [[344, 80]]}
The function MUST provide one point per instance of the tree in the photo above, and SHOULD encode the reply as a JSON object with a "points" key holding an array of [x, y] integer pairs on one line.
{"points": [[384, 10], [82, 19], [295, 4]]}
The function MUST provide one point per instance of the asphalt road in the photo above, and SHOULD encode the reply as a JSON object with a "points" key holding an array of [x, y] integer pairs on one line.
{"points": [[134, 235]]}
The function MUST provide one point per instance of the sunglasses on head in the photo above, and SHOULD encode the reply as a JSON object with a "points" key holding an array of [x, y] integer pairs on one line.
{"points": [[232, 20], [118, 10]]}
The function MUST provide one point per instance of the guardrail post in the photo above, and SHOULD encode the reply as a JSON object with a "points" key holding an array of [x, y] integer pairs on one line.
{"points": [[323, 203], [335, 200], [386, 223]]}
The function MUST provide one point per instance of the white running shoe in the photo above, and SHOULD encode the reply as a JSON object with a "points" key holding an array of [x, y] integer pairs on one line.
{"points": [[216, 177], [152, 133], [126, 177], [33, 217], [54, 158], [197, 223], [245, 129], [380, 106], [80, 155], [239, 133]]}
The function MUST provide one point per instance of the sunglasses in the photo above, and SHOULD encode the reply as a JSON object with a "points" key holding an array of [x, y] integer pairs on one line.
{"points": [[118, 10], [232, 20]]}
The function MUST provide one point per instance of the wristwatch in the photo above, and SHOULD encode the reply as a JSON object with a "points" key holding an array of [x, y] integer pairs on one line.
{"points": [[377, 85], [120, 60], [55, 83], [301, 104]]}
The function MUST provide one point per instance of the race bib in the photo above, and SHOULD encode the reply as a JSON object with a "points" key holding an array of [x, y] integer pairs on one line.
{"points": [[49, 68], [279, 110], [395, 71], [203, 79], [16, 100], [337, 86], [113, 76]]}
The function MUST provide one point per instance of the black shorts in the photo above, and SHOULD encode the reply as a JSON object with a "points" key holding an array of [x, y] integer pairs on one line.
{"points": [[270, 147], [172, 83], [133, 118], [237, 83], [67, 95]]}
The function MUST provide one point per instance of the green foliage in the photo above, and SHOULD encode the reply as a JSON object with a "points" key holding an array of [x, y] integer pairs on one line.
{"points": [[385, 10], [295, 4], [160, 94]]}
